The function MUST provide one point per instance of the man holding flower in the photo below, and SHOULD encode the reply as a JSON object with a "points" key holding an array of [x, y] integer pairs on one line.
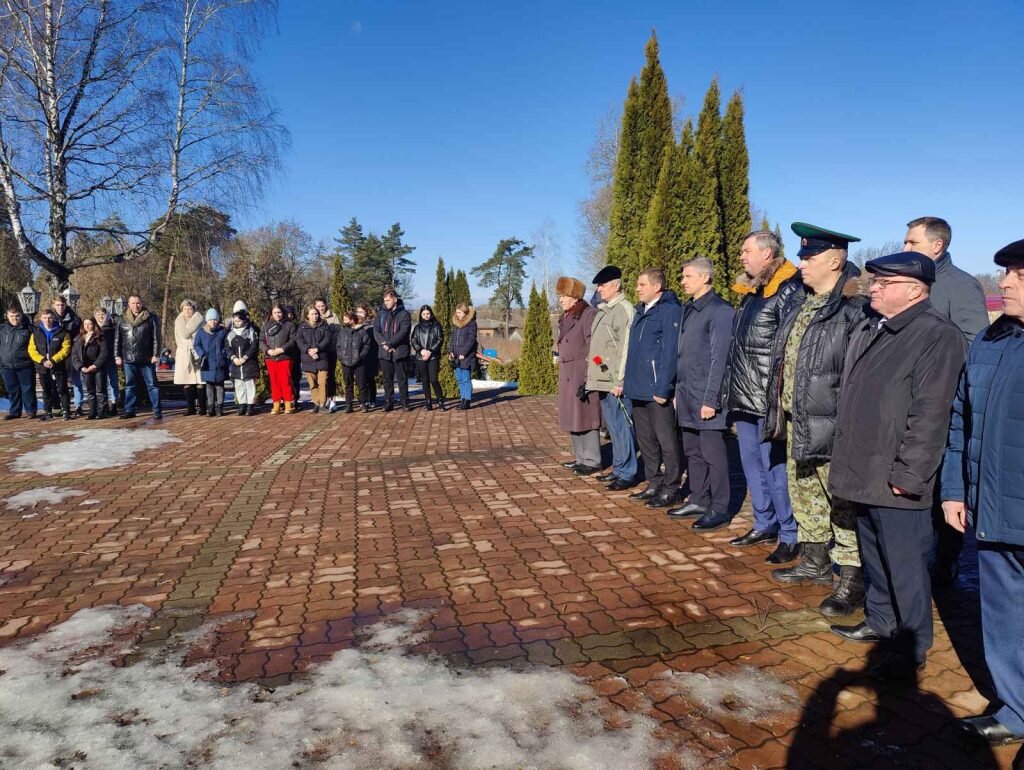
{"points": [[609, 342]]}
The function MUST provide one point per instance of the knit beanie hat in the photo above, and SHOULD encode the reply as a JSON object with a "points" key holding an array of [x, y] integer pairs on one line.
{"points": [[212, 314], [239, 305]]}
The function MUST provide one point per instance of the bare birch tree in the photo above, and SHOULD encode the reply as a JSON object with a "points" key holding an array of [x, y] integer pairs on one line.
{"points": [[111, 106]]}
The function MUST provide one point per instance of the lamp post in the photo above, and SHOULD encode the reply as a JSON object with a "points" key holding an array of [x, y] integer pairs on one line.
{"points": [[119, 305], [29, 300], [72, 296], [107, 303]]}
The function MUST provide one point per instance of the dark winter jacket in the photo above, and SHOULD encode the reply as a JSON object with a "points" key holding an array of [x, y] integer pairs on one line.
{"points": [[819, 366], [211, 348], [109, 330], [653, 344], [392, 329], [463, 341], [53, 345], [753, 340], [320, 337], [244, 343], [91, 353], [278, 334], [427, 335], [353, 344], [958, 296], [137, 340], [705, 332], [894, 406], [14, 345], [70, 321], [984, 462]]}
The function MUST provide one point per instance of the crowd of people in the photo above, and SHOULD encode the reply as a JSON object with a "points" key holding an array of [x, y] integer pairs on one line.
{"points": [[847, 394], [76, 361]]}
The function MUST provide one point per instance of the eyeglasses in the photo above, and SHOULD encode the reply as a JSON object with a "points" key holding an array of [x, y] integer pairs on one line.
{"points": [[882, 283]]}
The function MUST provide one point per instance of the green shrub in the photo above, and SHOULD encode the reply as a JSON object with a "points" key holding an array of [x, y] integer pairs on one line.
{"points": [[504, 372]]}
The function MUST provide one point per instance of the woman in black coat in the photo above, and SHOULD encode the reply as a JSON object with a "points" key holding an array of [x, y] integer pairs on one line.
{"points": [[462, 351], [427, 341], [315, 339], [277, 343], [89, 355], [353, 347], [242, 348], [365, 316]]}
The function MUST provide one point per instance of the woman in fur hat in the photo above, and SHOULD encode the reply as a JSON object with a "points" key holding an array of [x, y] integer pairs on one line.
{"points": [[579, 412]]}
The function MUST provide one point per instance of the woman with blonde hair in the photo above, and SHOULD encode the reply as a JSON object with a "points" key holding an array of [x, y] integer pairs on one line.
{"points": [[186, 371], [315, 340], [462, 351]]}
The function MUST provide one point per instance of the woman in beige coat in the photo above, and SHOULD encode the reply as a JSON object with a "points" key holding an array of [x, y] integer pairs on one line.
{"points": [[185, 372]]}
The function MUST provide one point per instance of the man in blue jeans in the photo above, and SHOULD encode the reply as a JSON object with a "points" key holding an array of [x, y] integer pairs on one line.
{"points": [[137, 348], [749, 362], [606, 368]]}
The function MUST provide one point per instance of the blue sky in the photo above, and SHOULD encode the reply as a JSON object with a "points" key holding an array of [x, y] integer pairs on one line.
{"points": [[469, 122]]}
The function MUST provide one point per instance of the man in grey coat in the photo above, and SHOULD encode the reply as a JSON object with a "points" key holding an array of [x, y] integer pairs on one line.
{"points": [[606, 367], [958, 296]]}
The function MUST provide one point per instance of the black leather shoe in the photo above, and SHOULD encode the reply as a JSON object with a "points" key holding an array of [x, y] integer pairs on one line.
{"points": [[586, 470], [618, 485], [753, 537], [126, 415], [783, 553], [644, 494], [664, 500], [685, 511], [861, 632], [987, 729], [570, 464], [609, 476], [711, 521]]}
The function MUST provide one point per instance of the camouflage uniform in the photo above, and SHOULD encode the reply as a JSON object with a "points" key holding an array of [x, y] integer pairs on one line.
{"points": [[819, 516]]}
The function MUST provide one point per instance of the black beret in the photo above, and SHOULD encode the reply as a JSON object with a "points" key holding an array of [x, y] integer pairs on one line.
{"points": [[1011, 254], [814, 239], [908, 264], [608, 273]]}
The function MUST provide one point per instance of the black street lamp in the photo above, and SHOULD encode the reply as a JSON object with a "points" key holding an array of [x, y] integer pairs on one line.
{"points": [[72, 296], [29, 299]]}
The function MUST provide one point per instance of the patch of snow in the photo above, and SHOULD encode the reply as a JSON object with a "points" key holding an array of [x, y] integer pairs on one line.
{"points": [[479, 385], [91, 449], [62, 703], [750, 695], [30, 498], [89, 502]]}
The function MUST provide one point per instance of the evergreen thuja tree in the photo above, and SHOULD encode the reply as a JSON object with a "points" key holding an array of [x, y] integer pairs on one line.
{"points": [[707, 229], [443, 311], [734, 176], [460, 290], [537, 373], [340, 300]]}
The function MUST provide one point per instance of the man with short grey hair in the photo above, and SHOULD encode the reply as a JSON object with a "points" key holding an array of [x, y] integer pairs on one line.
{"points": [[606, 368], [958, 296], [705, 333]]}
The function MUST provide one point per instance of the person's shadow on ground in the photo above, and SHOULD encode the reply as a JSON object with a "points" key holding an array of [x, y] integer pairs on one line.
{"points": [[909, 728]]}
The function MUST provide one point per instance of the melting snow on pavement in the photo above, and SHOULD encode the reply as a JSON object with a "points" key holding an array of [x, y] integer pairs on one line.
{"points": [[30, 498], [63, 703], [91, 449]]}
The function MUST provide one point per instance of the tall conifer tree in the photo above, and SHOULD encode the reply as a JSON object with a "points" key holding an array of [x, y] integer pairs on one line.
{"points": [[460, 289], [707, 230], [537, 373], [443, 312], [734, 175], [646, 137]]}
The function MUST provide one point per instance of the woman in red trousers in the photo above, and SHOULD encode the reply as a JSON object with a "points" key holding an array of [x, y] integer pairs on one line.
{"points": [[278, 345]]}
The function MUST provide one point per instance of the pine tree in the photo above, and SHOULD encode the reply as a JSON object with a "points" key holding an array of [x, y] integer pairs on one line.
{"points": [[395, 258], [646, 138], [443, 313], [505, 271], [707, 231], [537, 373], [734, 175]]}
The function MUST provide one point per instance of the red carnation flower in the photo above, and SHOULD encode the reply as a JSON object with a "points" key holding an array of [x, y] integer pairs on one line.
{"points": [[597, 360]]}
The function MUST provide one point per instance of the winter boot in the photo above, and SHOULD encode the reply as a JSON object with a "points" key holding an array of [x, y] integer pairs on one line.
{"points": [[430, 405], [467, 404], [349, 408], [250, 410], [288, 407], [443, 406], [276, 408], [814, 566], [848, 595], [220, 409]]}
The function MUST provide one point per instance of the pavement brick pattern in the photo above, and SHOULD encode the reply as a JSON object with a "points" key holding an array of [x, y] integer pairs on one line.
{"points": [[307, 527]]}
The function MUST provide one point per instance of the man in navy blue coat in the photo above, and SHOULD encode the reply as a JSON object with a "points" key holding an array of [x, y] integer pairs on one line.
{"points": [[650, 383], [983, 485]]}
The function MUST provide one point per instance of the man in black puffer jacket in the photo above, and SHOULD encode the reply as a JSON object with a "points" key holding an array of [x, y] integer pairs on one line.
{"points": [[136, 348], [16, 367], [746, 387], [391, 330], [816, 318]]}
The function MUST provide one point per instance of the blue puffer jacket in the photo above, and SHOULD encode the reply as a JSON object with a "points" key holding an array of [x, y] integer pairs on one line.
{"points": [[984, 462], [653, 343], [212, 348]]}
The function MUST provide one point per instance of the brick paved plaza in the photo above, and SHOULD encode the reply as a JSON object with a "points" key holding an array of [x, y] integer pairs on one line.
{"points": [[312, 526]]}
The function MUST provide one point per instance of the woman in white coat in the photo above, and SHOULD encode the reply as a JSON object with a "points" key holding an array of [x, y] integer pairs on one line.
{"points": [[186, 373]]}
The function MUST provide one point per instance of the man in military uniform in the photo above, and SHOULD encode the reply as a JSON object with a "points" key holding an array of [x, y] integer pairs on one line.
{"points": [[816, 318]]}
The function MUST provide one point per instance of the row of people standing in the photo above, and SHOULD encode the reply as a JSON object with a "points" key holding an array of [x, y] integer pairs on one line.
{"points": [[76, 360], [362, 342], [840, 404]]}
